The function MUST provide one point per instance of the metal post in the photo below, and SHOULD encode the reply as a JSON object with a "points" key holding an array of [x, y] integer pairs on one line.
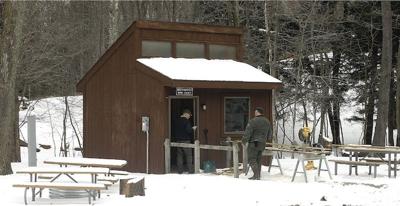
{"points": [[147, 151], [32, 141]]}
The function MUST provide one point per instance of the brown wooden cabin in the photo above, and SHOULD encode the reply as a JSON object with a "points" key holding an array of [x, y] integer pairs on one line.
{"points": [[118, 91]]}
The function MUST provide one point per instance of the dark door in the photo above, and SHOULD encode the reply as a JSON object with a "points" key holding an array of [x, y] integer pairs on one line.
{"points": [[176, 106]]}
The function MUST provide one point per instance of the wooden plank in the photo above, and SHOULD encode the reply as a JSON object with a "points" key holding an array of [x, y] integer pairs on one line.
{"points": [[61, 185], [122, 184], [235, 160], [184, 145], [108, 178], [118, 172], [92, 162], [371, 150], [347, 162], [200, 28], [135, 187], [63, 170], [197, 156], [216, 147]]}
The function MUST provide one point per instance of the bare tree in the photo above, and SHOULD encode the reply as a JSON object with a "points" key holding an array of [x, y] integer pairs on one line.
{"points": [[384, 82], [10, 35], [398, 95]]}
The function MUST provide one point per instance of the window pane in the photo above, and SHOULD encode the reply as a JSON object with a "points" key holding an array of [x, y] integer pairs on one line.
{"points": [[236, 114], [156, 49], [190, 50], [222, 52]]}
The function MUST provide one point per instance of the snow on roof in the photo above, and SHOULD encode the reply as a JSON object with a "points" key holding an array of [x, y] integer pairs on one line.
{"points": [[207, 70]]}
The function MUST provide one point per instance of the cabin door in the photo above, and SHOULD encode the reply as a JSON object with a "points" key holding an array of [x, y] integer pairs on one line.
{"points": [[176, 104]]}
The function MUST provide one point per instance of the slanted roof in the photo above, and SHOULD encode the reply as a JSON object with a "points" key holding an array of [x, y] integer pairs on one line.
{"points": [[153, 25], [211, 73]]}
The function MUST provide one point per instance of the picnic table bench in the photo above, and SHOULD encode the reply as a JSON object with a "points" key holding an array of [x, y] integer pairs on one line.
{"points": [[380, 151], [91, 188], [357, 163]]}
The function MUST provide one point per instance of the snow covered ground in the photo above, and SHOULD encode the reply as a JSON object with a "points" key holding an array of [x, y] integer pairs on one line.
{"points": [[205, 189], [223, 189]]}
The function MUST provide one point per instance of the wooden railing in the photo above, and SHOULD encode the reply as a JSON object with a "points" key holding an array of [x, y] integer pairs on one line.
{"points": [[233, 148]]}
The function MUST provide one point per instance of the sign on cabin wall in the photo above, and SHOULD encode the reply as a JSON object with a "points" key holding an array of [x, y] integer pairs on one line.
{"points": [[184, 91]]}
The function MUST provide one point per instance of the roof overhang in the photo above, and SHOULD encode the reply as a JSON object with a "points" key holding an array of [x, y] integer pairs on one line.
{"points": [[203, 73]]}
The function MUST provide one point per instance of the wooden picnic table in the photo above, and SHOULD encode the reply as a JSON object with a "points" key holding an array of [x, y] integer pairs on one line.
{"points": [[354, 150], [87, 162], [67, 171]]}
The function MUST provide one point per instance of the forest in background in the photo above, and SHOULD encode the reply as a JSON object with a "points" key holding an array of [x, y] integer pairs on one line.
{"points": [[321, 50]]}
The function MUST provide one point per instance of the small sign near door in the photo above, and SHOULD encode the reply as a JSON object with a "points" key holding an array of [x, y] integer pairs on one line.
{"points": [[184, 91]]}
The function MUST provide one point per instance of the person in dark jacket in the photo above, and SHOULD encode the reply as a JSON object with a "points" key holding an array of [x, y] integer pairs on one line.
{"points": [[257, 132], [184, 134]]}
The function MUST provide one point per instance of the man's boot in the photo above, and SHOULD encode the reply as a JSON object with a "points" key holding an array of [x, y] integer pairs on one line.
{"points": [[254, 168], [259, 172]]}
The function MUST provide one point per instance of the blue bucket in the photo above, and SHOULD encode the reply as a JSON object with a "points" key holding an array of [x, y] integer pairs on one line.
{"points": [[209, 166]]}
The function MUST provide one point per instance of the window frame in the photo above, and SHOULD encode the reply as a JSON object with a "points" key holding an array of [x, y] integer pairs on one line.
{"points": [[151, 40], [224, 110], [176, 43], [227, 45]]}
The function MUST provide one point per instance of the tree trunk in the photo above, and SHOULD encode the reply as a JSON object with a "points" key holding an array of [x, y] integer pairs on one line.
{"points": [[398, 96], [335, 101], [386, 66], [8, 75], [270, 59], [370, 102], [17, 153], [391, 115], [65, 146]]}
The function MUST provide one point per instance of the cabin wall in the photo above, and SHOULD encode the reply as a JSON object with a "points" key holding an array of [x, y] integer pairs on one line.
{"points": [[150, 101], [108, 107]]}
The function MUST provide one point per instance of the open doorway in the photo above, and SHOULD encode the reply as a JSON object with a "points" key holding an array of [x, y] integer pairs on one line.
{"points": [[176, 106]]}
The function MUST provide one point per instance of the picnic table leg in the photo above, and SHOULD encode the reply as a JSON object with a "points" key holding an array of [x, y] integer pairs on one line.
{"points": [[319, 167], [304, 170], [90, 198], [351, 159], [40, 190], [336, 168], [31, 180], [375, 171], [279, 164], [390, 166], [356, 165], [395, 165], [295, 170], [327, 167], [25, 200]]}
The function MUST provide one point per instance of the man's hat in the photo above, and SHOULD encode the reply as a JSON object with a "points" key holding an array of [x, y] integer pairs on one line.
{"points": [[187, 111], [260, 110]]}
